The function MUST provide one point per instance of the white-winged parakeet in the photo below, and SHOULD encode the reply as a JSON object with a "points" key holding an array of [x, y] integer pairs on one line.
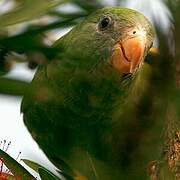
{"points": [[77, 113]]}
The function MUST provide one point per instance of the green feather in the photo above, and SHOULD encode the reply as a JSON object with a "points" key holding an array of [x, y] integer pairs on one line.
{"points": [[77, 112]]}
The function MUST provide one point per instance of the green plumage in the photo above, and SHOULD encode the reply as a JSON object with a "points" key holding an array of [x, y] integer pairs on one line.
{"points": [[79, 110]]}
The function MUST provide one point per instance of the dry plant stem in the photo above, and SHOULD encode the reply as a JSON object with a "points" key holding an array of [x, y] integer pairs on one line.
{"points": [[172, 144], [171, 156], [152, 170]]}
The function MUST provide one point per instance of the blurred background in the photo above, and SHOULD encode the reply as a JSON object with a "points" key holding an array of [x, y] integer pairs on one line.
{"points": [[28, 28]]}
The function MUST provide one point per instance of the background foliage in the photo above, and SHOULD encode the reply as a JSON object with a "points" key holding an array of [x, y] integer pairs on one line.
{"points": [[26, 36]]}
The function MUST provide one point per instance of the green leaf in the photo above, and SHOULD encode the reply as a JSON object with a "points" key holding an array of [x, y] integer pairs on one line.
{"points": [[47, 175], [39, 168], [68, 177], [87, 5], [27, 10], [68, 15], [31, 40], [33, 165], [14, 87], [16, 168], [65, 169]]}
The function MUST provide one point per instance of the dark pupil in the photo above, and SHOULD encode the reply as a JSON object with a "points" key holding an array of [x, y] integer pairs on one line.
{"points": [[104, 22]]}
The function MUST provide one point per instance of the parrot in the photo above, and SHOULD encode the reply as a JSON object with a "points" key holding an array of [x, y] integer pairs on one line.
{"points": [[81, 111]]}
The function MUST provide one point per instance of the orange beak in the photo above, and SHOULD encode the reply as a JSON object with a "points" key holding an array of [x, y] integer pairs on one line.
{"points": [[128, 54]]}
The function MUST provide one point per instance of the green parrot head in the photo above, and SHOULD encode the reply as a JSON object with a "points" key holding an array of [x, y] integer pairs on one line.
{"points": [[120, 37]]}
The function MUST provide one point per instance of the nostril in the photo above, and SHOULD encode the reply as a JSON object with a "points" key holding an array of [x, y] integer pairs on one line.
{"points": [[134, 32]]}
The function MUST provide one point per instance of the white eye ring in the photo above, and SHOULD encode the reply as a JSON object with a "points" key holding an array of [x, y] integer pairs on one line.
{"points": [[105, 22]]}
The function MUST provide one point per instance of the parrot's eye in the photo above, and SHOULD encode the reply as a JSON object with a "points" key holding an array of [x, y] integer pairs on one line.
{"points": [[105, 22]]}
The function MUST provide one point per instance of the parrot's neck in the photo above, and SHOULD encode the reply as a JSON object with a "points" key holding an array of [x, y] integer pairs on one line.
{"points": [[89, 96]]}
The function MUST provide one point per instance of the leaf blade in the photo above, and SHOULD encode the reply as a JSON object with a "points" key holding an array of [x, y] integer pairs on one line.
{"points": [[16, 168], [23, 12]]}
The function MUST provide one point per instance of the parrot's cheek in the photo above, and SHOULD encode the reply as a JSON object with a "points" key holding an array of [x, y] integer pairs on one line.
{"points": [[128, 55]]}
